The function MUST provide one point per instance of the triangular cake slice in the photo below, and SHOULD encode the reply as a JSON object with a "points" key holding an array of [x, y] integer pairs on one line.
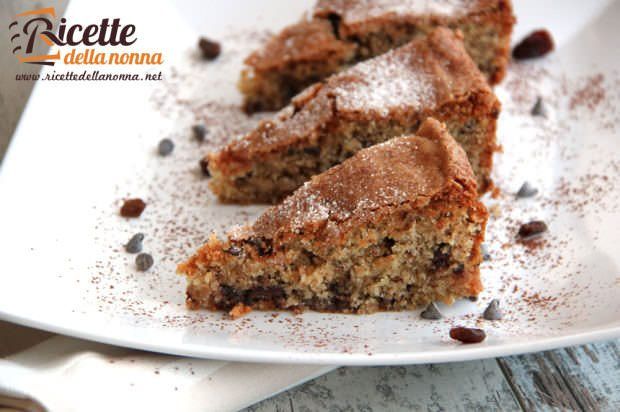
{"points": [[340, 33], [372, 102], [396, 226]]}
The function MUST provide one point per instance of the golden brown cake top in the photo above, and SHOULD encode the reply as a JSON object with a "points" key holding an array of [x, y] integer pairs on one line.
{"points": [[414, 79], [412, 169], [420, 75], [308, 40]]}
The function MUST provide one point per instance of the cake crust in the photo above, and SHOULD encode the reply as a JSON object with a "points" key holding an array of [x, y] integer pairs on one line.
{"points": [[396, 226], [393, 93], [341, 33], [335, 201], [306, 41]]}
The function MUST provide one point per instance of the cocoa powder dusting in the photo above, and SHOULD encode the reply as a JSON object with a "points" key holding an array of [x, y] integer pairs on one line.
{"points": [[537, 280]]}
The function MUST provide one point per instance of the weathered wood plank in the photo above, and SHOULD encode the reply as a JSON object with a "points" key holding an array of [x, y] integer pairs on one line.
{"points": [[579, 378], [537, 383], [465, 386], [594, 372]]}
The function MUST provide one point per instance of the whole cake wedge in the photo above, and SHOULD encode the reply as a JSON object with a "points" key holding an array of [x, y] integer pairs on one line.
{"points": [[396, 226], [367, 104], [340, 33]]}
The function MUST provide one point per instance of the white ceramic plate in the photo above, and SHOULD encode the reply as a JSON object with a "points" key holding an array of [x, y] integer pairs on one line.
{"points": [[81, 147]]}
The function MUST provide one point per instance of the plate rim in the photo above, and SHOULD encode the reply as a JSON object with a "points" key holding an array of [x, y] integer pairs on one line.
{"points": [[459, 353], [204, 351]]}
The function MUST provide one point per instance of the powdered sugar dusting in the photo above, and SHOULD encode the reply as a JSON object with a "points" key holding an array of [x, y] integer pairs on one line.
{"points": [[336, 196], [394, 82], [315, 208], [563, 285], [400, 82], [514, 274]]}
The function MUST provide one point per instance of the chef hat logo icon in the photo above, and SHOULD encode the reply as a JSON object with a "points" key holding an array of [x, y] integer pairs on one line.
{"points": [[29, 28], [15, 37]]}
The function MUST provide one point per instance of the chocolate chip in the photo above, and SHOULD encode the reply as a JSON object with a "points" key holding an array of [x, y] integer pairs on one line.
{"points": [[533, 228], [135, 243], [431, 312], [493, 312], [200, 132], [472, 298], [526, 190], [204, 167], [537, 44], [441, 256], [388, 243], [314, 151], [263, 246], [144, 261], [230, 296], [234, 250], [467, 335], [165, 147], [132, 207], [271, 293], [458, 269], [339, 303], [335, 20], [311, 257], [338, 287], [250, 107], [484, 250], [210, 49], [539, 108]]}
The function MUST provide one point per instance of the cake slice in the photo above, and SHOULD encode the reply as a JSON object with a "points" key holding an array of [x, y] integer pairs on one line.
{"points": [[396, 226], [367, 104], [340, 33]]}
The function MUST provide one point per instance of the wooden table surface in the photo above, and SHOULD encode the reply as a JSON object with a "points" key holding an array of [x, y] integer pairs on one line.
{"points": [[579, 378]]}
